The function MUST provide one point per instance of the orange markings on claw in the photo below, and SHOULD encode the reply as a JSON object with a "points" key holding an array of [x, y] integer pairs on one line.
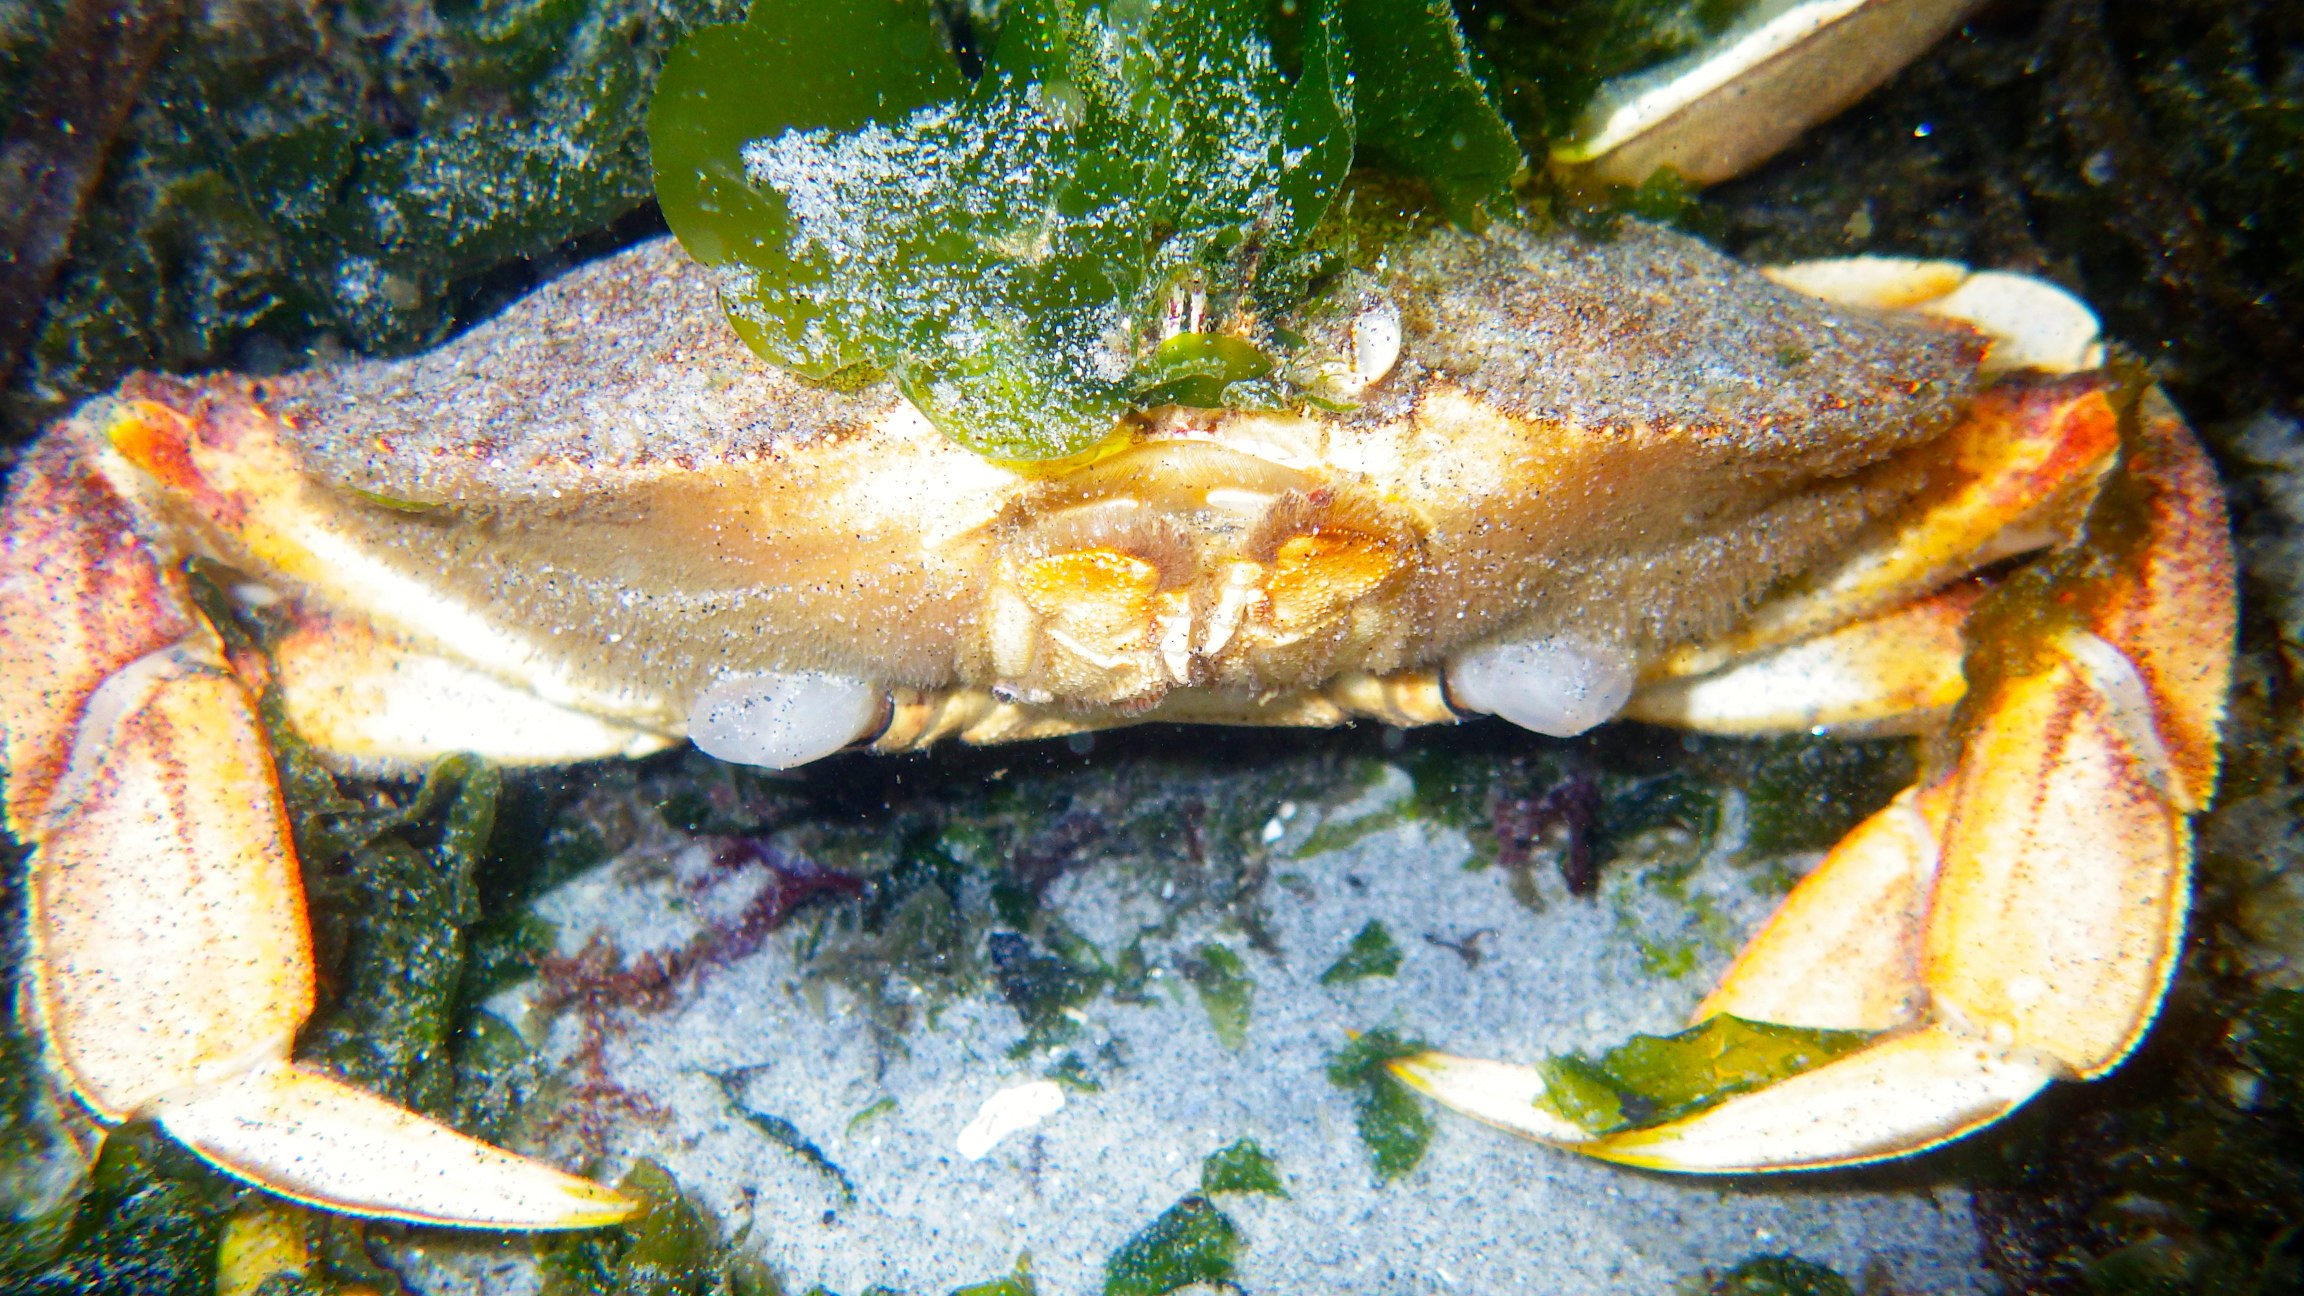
{"points": [[158, 440], [2023, 447]]}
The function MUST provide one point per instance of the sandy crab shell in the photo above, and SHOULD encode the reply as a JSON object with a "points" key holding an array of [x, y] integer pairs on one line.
{"points": [[1606, 448]]}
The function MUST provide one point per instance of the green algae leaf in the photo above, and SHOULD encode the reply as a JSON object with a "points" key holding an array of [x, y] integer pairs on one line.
{"points": [[1392, 1122], [1210, 370], [1781, 1275], [1424, 107], [1225, 989], [726, 86], [1372, 953], [880, 1107], [671, 1246], [1191, 1242], [784, 1134], [1651, 1079], [1006, 255], [148, 1223], [1578, 1090], [1044, 989], [1243, 1167], [1108, 219]]}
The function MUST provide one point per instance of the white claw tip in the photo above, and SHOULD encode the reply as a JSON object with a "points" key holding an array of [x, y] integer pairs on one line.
{"points": [[782, 719], [1559, 686]]}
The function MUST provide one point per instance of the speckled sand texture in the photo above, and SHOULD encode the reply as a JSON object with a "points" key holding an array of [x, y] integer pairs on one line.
{"points": [[1483, 1213]]}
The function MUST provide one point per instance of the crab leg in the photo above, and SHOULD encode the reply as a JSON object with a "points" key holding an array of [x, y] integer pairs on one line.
{"points": [[2023, 911], [171, 966]]}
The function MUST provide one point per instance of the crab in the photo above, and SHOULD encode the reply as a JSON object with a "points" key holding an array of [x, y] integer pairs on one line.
{"points": [[1580, 479]]}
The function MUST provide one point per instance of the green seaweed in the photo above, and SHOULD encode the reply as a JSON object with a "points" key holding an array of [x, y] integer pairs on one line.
{"points": [[1424, 106], [1240, 1167], [1651, 1079], [1102, 221], [1780, 1275], [1191, 1242], [1222, 982], [359, 175], [784, 1134], [1392, 1122], [671, 1248], [1045, 989], [1372, 953], [148, 1224]]}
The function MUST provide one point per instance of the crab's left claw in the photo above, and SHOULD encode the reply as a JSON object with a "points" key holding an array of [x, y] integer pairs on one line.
{"points": [[170, 964], [2015, 919]]}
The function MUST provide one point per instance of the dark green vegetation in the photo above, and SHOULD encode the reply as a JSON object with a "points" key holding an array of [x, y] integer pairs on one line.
{"points": [[298, 177], [1780, 1275], [672, 1248], [1241, 1167], [1191, 1242], [1372, 953], [1096, 222], [1394, 1124]]}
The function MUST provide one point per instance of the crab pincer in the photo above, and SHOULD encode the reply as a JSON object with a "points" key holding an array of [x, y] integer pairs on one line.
{"points": [[171, 964], [2014, 918]]}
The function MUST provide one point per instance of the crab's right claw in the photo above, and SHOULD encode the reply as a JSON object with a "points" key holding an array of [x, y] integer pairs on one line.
{"points": [[171, 965], [2014, 921]]}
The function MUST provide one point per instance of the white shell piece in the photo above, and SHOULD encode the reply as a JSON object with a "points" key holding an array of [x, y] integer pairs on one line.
{"points": [[1559, 686], [1375, 345], [783, 719], [1010, 1111], [2033, 324], [1882, 283]]}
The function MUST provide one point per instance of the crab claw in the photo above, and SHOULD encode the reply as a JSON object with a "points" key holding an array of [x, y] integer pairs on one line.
{"points": [[170, 964], [2013, 921]]}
